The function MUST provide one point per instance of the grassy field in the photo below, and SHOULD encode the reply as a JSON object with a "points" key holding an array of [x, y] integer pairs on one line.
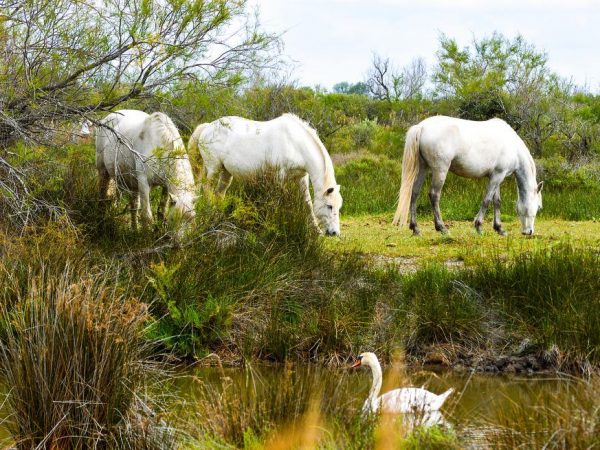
{"points": [[374, 235]]}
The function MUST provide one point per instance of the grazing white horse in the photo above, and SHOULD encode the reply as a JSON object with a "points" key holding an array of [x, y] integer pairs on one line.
{"points": [[470, 149], [140, 151], [234, 146]]}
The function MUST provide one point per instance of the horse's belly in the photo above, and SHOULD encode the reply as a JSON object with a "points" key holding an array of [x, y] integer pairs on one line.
{"points": [[248, 164], [123, 174], [469, 169]]}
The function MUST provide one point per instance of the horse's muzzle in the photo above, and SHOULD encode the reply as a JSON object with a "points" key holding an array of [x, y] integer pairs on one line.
{"points": [[331, 233]]}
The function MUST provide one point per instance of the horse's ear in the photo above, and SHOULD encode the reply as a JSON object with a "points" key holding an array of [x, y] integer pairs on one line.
{"points": [[540, 186], [329, 191]]}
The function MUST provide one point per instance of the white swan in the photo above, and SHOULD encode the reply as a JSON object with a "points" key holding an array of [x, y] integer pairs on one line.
{"points": [[404, 400]]}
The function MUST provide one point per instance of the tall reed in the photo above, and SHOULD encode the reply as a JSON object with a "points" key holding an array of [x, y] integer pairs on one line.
{"points": [[75, 362]]}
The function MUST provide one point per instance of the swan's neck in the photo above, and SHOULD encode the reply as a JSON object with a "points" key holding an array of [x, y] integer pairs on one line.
{"points": [[371, 402]]}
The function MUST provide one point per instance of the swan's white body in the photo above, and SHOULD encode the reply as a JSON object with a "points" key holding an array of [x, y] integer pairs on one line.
{"points": [[399, 401]]}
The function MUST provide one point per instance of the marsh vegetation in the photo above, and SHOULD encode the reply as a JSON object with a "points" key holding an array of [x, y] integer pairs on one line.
{"points": [[102, 326]]}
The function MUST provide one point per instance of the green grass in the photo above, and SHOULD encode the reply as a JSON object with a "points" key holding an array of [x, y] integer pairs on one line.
{"points": [[374, 235], [370, 185]]}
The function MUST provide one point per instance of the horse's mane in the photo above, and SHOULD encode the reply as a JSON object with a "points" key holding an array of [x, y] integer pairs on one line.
{"points": [[169, 135], [329, 173]]}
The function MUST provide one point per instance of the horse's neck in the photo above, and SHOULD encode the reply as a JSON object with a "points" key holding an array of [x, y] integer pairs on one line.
{"points": [[180, 175], [525, 173], [318, 164]]}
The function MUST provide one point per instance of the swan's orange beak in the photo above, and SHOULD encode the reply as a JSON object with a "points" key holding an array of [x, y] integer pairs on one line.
{"points": [[356, 364]]}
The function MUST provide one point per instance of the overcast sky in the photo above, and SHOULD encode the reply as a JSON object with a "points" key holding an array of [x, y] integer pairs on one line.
{"points": [[333, 40]]}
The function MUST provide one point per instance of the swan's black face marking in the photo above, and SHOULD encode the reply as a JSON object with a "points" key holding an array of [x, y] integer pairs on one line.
{"points": [[357, 362]]}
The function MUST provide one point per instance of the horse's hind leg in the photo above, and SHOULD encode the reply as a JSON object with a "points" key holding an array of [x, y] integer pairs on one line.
{"points": [[416, 190], [492, 188], [103, 185], [438, 178], [497, 224], [224, 182]]}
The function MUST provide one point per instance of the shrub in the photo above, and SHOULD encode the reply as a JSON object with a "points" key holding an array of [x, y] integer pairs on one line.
{"points": [[75, 359]]}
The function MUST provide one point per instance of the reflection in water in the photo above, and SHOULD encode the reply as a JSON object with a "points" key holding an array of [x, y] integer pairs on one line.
{"points": [[480, 405]]}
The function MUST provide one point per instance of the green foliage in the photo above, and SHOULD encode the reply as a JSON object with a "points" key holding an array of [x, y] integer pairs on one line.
{"points": [[439, 308], [346, 88], [430, 438], [369, 184], [254, 254], [93, 59]]}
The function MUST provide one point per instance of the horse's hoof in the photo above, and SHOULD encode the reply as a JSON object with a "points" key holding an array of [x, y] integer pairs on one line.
{"points": [[416, 232], [498, 229], [441, 228]]}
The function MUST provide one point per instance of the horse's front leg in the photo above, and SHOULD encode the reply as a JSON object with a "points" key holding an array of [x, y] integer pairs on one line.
{"points": [[438, 179], [493, 186], [134, 206], [145, 205], [304, 189], [162, 205]]}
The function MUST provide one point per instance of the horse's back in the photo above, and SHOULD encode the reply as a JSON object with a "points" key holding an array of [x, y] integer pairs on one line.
{"points": [[469, 148], [243, 146], [118, 143]]}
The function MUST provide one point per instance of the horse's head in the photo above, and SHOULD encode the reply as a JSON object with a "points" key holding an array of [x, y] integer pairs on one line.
{"points": [[528, 206], [327, 207], [181, 186], [182, 205]]}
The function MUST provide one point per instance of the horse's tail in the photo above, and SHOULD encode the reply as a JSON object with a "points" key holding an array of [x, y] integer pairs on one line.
{"points": [[441, 399], [410, 169], [195, 138]]}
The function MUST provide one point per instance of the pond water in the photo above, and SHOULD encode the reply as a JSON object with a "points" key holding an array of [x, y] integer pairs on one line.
{"points": [[480, 404]]}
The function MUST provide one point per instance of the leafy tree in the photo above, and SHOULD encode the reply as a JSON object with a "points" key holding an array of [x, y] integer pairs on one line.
{"points": [[66, 59], [344, 87]]}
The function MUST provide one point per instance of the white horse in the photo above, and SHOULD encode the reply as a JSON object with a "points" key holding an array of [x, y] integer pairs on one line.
{"points": [[470, 149], [140, 151], [234, 146]]}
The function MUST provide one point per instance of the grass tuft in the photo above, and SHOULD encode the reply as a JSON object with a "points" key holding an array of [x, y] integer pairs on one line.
{"points": [[74, 357]]}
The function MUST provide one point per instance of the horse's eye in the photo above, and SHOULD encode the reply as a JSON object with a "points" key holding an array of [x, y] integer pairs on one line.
{"points": [[330, 207]]}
